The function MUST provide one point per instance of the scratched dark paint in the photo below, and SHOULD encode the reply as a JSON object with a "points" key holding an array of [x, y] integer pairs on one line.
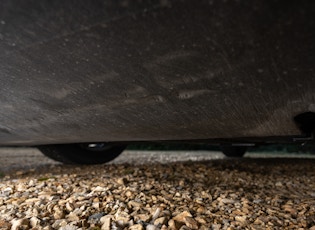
{"points": [[86, 71]]}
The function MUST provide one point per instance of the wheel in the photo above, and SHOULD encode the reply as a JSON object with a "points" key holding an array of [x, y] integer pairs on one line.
{"points": [[93, 153], [233, 151]]}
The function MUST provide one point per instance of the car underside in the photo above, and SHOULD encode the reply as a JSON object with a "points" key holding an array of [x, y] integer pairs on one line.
{"points": [[88, 77]]}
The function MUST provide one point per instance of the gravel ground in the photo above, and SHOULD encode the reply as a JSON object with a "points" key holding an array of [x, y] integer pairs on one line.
{"points": [[188, 191]]}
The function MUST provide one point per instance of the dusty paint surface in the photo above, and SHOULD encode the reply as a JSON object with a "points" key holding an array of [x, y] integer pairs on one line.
{"points": [[113, 71]]}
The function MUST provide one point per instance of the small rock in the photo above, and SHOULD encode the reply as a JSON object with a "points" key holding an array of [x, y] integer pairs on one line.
{"points": [[184, 227], [181, 217], [227, 201], [278, 184], [98, 189], [31, 201], [34, 221], [68, 227], [47, 228], [151, 227], [20, 224], [190, 222], [143, 217], [122, 218], [5, 224], [59, 223], [7, 191], [106, 223], [289, 209], [216, 226], [103, 219], [58, 213], [261, 221], [19, 173], [164, 227], [72, 217], [21, 187], [160, 221], [174, 225], [69, 207], [200, 220], [241, 219], [201, 210], [122, 181], [245, 210], [136, 227], [134, 204], [156, 214], [95, 218], [128, 193]]}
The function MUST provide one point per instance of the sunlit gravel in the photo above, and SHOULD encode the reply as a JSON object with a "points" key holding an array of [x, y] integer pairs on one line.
{"points": [[158, 190]]}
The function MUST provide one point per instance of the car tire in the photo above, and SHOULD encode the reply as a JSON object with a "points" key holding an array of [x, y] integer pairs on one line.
{"points": [[233, 151], [95, 153]]}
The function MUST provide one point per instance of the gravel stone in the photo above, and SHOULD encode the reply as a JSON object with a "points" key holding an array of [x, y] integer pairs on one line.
{"points": [[151, 227], [220, 194], [95, 218], [20, 224], [34, 222], [174, 225], [190, 222], [68, 227], [136, 227], [106, 222], [181, 217], [160, 221]]}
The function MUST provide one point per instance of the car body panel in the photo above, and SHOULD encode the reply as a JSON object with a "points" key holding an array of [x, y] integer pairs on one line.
{"points": [[88, 71]]}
